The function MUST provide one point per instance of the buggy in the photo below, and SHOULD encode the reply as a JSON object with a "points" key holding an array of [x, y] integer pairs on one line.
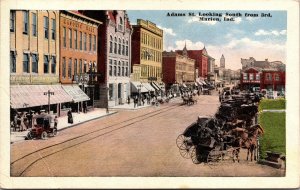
{"points": [[43, 126]]}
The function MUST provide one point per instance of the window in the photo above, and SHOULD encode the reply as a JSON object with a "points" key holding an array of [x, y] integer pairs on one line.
{"points": [[115, 68], [90, 42], [84, 41], [34, 63], [110, 67], [115, 47], [34, 24], [277, 77], [25, 63], [80, 66], [12, 20], [64, 37], [12, 61], [84, 67], [126, 71], [119, 69], [46, 26], [257, 77], [53, 65], [269, 76], [119, 50], [123, 71], [75, 39], [110, 44], [53, 30], [94, 45], [111, 91], [64, 67], [80, 41], [46, 64], [121, 24], [70, 38], [70, 68], [251, 76], [123, 48], [75, 67], [126, 48], [245, 76], [25, 23]]}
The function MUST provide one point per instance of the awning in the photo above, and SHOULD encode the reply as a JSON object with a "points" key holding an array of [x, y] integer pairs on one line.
{"points": [[157, 85], [23, 96], [76, 93], [148, 86], [136, 86]]}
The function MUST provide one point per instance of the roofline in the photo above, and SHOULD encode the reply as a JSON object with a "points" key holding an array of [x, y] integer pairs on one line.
{"points": [[83, 16]]}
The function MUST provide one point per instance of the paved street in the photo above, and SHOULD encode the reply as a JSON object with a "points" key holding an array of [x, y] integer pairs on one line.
{"points": [[129, 143]]}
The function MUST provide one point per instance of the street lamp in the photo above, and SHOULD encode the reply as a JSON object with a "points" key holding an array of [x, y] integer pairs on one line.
{"points": [[49, 93]]}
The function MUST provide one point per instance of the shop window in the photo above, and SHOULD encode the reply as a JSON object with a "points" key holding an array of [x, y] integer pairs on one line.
{"points": [[111, 91]]}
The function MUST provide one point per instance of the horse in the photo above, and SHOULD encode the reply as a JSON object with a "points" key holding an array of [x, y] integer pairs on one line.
{"points": [[247, 139]]}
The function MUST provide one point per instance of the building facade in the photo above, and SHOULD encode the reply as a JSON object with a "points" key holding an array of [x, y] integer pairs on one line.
{"points": [[114, 55], [178, 69], [78, 56], [147, 47], [34, 58], [222, 62]]}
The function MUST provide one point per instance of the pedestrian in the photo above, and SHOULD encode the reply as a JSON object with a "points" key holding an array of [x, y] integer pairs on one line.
{"points": [[19, 122], [26, 123], [70, 117], [143, 100], [84, 107], [128, 100], [55, 122], [135, 101]]}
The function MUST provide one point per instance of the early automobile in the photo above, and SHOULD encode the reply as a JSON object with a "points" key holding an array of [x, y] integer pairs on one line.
{"points": [[43, 125]]}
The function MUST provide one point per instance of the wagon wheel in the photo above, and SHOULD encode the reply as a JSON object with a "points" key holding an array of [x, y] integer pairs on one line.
{"points": [[54, 132], [186, 153], [181, 142], [194, 155], [44, 135], [214, 156]]}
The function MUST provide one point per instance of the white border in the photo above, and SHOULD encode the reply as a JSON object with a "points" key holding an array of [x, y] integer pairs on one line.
{"points": [[292, 88]]}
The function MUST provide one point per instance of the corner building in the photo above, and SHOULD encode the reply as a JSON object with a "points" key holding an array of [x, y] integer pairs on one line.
{"points": [[114, 55], [147, 47], [34, 56]]}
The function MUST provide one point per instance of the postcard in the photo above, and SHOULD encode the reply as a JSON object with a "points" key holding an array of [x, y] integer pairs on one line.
{"points": [[159, 94]]}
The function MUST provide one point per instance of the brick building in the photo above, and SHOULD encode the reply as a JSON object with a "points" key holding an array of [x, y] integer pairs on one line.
{"points": [[114, 55], [147, 47], [178, 69], [34, 57], [78, 57]]}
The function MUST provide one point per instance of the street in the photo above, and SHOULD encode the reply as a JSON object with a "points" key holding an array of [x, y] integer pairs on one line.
{"points": [[135, 143]]}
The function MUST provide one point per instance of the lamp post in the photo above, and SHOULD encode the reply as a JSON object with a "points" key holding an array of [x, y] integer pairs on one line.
{"points": [[49, 93]]}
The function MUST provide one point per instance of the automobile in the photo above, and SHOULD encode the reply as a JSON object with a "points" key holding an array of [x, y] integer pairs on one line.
{"points": [[43, 126]]}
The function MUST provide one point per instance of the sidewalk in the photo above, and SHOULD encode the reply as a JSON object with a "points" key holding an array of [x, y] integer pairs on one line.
{"points": [[78, 118]]}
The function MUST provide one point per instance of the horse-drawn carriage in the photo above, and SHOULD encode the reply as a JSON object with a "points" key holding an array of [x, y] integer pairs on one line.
{"points": [[189, 100], [204, 141]]}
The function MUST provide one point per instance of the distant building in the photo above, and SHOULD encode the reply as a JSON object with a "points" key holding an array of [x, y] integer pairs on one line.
{"points": [[178, 69], [222, 62], [251, 62]]}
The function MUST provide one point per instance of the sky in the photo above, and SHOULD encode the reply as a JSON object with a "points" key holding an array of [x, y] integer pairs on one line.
{"points": [[243, 37]]}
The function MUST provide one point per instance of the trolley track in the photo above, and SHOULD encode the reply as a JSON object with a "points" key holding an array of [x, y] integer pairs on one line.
{"points": [[18, 168]]}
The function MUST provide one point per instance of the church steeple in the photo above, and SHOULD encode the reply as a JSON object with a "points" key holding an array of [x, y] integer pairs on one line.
{"points": [[184, 52], [222, 61]]}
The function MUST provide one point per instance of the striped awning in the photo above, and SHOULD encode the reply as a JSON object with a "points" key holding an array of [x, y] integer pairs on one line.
{"points": [[148, 86], [23, 96], [138, 86], [76, 93]]}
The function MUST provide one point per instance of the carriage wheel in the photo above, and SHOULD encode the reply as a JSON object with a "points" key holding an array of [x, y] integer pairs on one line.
{"points": [[181, 142], [186, 153], [214, 156], [194, 155], [44, 135]]}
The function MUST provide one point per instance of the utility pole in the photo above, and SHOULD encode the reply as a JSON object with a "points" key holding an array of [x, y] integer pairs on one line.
{"points": [[49, 93]]}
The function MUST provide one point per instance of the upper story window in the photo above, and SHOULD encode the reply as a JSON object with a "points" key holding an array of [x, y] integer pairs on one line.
{"points": [[64, 37], [245, 76], [70, 38], [75, 67], [251, 76], [12, 61], [268, 76], [94, 45], [12, 20], [123, 47], [34, 31], [46, 27], [34, 63], [53, 65], [25, 22], [46, 64], [80, 66], [277, 77], [53, 30], [75, 39], [80, 40], [119, 49], [25, 62], [257, 77], [84, 41], [121, 24], [90, 42], [70, 68], [110, 44], [126, 52]]}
